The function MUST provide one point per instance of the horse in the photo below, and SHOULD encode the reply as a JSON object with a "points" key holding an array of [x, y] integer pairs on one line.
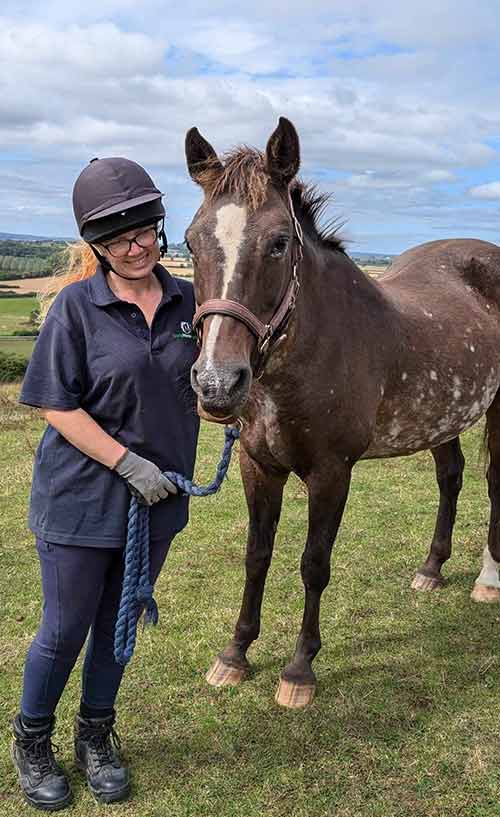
{"points": [[324, 366]]}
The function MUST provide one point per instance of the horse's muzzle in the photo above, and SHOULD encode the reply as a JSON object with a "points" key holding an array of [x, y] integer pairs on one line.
{"points": [[222, 389]]}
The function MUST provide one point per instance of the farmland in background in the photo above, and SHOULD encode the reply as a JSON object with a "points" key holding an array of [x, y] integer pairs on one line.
{"points": [[17, 346], [29, 259], [15, 314]]}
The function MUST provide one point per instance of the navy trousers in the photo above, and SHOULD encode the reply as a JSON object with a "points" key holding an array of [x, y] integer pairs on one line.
{"points": [[81, 589]]}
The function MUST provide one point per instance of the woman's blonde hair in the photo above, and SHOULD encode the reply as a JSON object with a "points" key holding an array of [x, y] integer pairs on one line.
{"points": [[79, 263]]}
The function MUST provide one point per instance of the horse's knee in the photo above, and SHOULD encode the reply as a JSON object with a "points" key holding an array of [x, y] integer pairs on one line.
{"points": [[257, 564], [450, 480], [315, 570]]}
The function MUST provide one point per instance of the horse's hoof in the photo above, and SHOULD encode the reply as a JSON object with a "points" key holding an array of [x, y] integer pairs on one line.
{"points": [[223, 675], [294, 696], [484, 593], [426, 583]]}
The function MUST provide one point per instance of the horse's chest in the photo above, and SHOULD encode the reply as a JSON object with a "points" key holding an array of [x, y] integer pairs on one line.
{"points": [[268, 438]]}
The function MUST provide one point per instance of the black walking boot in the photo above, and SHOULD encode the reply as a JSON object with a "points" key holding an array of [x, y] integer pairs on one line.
{"points": [[97, 755], [42, 780]]}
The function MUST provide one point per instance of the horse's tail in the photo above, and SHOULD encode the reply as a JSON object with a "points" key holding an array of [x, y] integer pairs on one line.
{"points": [[79, 263]]}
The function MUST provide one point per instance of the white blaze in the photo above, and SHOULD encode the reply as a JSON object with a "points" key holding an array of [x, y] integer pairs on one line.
{"points": [[229, 230]]}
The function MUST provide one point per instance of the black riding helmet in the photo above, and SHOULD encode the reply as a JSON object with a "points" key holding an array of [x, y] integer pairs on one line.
{"points": [[113, 195]]}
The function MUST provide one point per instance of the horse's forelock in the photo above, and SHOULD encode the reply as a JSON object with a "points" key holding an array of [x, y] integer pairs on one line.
{"points": [[243, 176]]}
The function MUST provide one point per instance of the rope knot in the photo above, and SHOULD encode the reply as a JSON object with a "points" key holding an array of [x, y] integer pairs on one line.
{"points": [[151, 615], [144, 592]]}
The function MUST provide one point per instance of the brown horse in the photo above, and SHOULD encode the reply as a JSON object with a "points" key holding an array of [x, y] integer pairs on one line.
{"points": [[325, 366]]}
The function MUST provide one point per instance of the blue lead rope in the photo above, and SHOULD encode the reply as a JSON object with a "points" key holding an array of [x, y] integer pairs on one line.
{"points": [[137, 591]]}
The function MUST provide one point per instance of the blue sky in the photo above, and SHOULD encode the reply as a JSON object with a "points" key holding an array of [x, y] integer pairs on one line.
{"points": [[397, 105]]}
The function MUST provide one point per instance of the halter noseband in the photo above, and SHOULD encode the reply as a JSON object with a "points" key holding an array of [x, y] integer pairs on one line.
{"points": [[265, 333]]}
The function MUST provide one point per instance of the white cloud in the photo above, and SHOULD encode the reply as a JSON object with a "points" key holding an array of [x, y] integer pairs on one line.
{"points": [[438, 175], [412, 97], [490, 191], [95, 50]]}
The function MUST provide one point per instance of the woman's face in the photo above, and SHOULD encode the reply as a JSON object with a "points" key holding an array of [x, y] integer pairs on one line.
{"points": [[137, 259]]}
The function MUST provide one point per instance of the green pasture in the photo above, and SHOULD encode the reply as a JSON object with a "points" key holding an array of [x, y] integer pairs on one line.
{"points": [[406, 721], [14, 313], [18, 346]]}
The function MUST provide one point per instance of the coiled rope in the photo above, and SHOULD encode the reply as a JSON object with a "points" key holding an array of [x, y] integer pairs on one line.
{"points": [[137, 591]]}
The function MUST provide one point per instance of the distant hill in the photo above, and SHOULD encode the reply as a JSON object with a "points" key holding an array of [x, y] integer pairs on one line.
{"points": [[363, 258], [373, 258], [22, 237]]}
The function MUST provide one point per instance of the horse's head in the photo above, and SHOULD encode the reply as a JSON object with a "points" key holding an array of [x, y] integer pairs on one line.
{"points": [[244, 240]]}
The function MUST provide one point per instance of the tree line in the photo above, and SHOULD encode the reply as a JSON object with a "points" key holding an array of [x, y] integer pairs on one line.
{"points": [[29, 259]]}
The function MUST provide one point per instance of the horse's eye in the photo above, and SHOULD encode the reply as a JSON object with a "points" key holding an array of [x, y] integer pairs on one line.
{"points": [[279, 247]]}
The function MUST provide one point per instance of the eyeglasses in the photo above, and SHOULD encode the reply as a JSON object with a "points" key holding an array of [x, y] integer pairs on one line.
{"points": [[145, 239]]}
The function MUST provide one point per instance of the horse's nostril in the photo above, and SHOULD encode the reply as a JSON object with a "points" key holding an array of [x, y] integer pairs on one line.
{"points": [[238, 379]]}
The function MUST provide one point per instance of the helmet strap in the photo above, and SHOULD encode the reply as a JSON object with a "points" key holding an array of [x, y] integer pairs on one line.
{"points": [[102, 260], [163, 242]]}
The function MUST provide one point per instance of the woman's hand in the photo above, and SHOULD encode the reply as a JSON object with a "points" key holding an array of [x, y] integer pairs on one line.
{"points": [[144, 478]]}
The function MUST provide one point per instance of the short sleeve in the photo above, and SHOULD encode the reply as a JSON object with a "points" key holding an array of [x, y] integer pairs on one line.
{"points": [[54, 377]]}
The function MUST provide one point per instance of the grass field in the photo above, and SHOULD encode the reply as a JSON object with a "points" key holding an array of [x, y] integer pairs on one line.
{"points": [[405, 722], [14, 313], [19, 346]]}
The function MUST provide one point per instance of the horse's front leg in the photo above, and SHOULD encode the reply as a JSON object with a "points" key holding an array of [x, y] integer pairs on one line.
{"points": [[327, 497], [264, 493]]}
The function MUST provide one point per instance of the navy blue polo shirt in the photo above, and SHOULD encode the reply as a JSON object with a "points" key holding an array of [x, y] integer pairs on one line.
{"points": [[96, 352]]}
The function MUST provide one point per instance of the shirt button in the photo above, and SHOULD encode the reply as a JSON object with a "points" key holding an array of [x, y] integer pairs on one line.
{"points": [[134, 314]]}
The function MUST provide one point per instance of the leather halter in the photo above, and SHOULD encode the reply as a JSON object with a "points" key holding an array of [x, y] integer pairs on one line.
{"points": [[265, 333]]}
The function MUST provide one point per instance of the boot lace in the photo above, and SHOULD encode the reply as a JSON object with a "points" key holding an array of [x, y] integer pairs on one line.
{"points": [[40, 751], [104, 744]]}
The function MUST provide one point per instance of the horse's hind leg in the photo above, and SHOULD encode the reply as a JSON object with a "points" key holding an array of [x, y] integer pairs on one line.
{"points": [[264, 493], [487, 586], [449, 462]]}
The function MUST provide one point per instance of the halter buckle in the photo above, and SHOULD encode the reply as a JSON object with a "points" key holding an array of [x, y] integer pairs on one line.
{"points": [[265, 340]]}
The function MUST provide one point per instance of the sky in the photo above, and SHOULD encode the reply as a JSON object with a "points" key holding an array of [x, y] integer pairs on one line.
{"points": [[397, 105]]}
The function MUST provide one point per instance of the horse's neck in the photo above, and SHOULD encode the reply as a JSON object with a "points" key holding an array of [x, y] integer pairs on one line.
{"points": [[342, 317], [337, 293]]}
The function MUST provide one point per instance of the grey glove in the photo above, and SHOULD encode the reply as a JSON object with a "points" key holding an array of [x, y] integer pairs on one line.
{"points": [[144, 478]]}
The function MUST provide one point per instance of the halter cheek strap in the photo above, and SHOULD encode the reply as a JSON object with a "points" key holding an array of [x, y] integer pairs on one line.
{"points": [[265, 333]]}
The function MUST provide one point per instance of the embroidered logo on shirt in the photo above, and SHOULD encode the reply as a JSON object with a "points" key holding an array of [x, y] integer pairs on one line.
{"points": [[187, 332]]}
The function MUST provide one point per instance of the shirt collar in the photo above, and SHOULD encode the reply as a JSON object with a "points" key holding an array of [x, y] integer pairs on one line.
{"points": [[102, 295]]}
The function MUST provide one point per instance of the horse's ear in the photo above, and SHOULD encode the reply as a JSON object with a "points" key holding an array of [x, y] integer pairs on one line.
{"points": [[202, 160], [283, 153]]}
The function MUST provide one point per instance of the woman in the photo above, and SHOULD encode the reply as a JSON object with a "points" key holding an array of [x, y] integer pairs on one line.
{"points": [[110, 373]]}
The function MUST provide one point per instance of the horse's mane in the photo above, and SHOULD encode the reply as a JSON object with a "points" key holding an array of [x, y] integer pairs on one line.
{"points": [[244, 175], [310, 206]]}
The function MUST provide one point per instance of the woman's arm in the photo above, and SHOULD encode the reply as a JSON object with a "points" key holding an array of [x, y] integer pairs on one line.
{"points": [[84, 433], [144, 478]]}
